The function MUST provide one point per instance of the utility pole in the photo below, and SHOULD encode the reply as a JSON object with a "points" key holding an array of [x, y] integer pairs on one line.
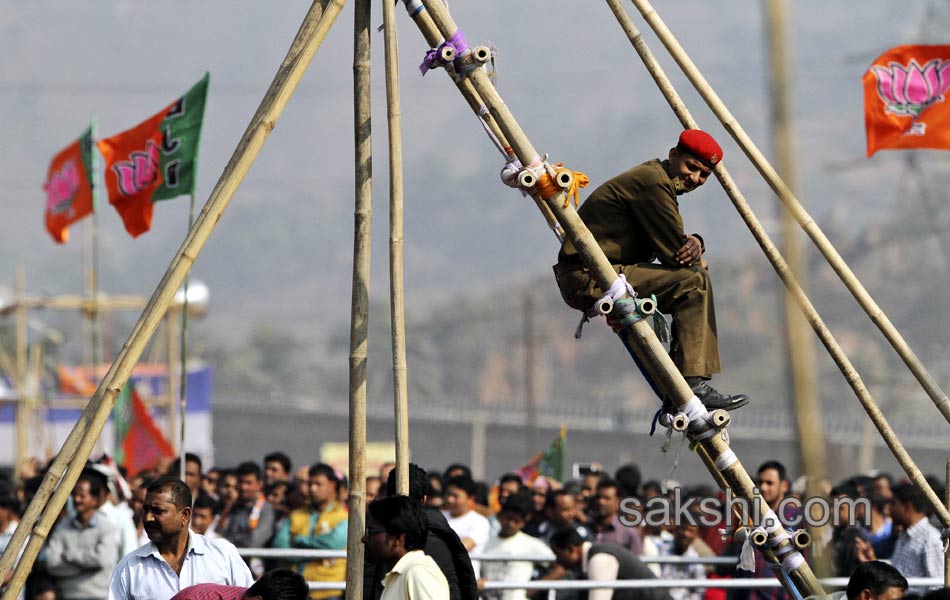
{"points": [[799, 344], [530, 378]]}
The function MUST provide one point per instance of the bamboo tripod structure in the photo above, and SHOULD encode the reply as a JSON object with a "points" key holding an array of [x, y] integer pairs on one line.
{"points": [[794, 206], [65, 469], [641, 336], [359, 316], [397, 295], [782, 270]]}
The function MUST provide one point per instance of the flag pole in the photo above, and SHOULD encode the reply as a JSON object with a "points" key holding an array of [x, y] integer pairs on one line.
{"points": [[397, 303], [183, 345], [49, 500], [94, 271]]}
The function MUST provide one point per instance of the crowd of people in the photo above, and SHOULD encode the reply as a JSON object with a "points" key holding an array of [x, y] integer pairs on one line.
{"points": [[154, 535]]}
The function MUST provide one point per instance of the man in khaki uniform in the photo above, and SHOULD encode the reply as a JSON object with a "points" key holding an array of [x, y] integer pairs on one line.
{"points": [[636, 221]]}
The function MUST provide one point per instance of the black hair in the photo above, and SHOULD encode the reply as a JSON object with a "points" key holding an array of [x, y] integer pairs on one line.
{"points": [[629, 478], [511, 477], [432, 490], [206, 501], [518, 504], [466, 472], [277, 484], [175, 467], [279, 457], [402, 515], [774, 464], [11, 502], [481, 493], [280, 584], [249, 468], [325, 470], [875, 576], [178, 490], [566, 537], [95, 479], [886, 477], [550, 501], [418, 482], [610, 483], [463, 483], [908, 493]]}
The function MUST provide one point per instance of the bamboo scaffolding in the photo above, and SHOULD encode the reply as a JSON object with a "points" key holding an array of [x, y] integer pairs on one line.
{"points": [[359, 316], [794, 206], [647, 347], [432, 36], [397, 295], [782, 270], [66, 467]]}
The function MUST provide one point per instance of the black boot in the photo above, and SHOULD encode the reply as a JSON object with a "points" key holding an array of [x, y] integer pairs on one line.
{"points": [[712, 399]]}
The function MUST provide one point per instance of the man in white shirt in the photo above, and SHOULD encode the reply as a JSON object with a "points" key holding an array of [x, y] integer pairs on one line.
{"points": [[396, 533], [472, 528], [175, 558], [511, 541]]}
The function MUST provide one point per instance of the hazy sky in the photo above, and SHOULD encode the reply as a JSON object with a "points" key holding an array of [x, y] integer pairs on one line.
{"points": [[565, 69]]}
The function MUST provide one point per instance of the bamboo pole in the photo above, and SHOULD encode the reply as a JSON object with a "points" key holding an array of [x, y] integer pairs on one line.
{"points": [[359, 316], [946, 550], [433, 37], [47, 503], [791, 202], [19, 377], [799, 345], [649, 350], [781, 268], [397, 300]]}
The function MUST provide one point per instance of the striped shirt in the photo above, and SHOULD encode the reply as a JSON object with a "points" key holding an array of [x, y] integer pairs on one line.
{"points": [[144, 574]]}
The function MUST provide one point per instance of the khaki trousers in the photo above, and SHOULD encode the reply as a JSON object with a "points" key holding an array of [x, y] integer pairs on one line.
{"points": [[684, 293]]}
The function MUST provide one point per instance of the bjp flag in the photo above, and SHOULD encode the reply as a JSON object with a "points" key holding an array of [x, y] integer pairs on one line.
{"points": [[68, 187], [133, 172], [155, 160], [904, 99]]}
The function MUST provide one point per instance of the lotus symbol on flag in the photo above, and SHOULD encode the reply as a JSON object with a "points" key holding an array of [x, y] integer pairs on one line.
{"points": [[61, 188], [139, 172], [908, 90]]}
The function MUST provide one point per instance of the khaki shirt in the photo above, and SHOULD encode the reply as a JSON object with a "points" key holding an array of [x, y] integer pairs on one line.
{"points": [[634, 217]]}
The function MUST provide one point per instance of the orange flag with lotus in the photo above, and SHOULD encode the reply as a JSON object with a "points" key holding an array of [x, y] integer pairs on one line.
{"points": [[905, 99], [69, 187]]}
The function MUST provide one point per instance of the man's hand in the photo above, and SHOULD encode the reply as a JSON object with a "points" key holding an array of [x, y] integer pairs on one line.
{"points": [[691, 251], [865, 552]]}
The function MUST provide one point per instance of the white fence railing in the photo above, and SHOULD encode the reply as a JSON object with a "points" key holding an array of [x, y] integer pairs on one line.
{"points": [[301, 554], [632, 584]]}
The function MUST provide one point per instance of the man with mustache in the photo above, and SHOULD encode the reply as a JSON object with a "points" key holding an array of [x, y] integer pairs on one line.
{"points": [[175, 557], [636, 221]]}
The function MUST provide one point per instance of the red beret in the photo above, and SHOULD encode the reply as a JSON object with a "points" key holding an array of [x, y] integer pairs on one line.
{"points": [[701, 145]]}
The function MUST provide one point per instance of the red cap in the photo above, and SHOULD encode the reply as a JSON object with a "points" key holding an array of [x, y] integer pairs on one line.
{"points": [[701, 145]]}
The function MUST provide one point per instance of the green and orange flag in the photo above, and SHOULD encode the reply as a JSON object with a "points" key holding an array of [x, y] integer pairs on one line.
{"points": [[905, 99], [155, 160], [139, 444], [69, 187]]}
